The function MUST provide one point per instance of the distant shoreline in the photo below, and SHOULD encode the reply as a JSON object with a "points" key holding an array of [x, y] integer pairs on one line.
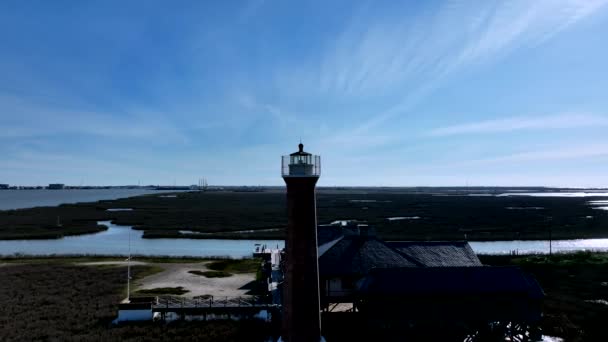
{"points": [[328, 187], [12, 199]]}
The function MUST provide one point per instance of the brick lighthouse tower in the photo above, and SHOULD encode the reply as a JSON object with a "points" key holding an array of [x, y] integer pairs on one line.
{"points": [[301, 316]]}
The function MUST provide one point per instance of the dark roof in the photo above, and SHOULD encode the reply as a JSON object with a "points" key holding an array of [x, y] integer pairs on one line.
{"points": [[300, 151], [300, 154], [328, 233], [357, 255], [432, 281], [437, 253]]}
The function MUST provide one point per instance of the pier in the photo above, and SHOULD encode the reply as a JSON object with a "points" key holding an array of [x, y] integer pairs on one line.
{"points": [[167, 308]]}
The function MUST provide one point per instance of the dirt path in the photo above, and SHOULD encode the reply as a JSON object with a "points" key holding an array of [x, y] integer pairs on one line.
{"points": [[176, 274]]}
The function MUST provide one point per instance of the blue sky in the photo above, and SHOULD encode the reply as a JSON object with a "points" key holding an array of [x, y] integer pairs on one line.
{"points": [[388, 93]]}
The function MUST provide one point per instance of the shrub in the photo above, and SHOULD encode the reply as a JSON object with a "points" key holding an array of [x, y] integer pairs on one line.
{"points": [[211, 274]]}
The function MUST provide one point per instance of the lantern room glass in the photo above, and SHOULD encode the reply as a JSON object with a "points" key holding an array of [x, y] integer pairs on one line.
{"points": [[301, 164], [301, 159]]}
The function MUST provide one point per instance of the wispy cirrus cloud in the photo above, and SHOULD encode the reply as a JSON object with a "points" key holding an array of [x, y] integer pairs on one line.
{"points": [[29, 119], [503, 26], [358, 87], [411, 58], [384, 51], [272, 111], [560, 121]]}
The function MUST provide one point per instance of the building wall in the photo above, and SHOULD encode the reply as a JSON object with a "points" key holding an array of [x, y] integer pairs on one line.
{"points": [[134, 315], [338, 287]]}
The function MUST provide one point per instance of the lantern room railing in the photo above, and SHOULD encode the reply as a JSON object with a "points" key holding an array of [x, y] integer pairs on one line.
{"points": [[301, 166]]}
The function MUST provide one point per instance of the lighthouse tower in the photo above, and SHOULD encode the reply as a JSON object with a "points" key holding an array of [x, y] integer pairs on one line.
{"points": [[301, 314]]}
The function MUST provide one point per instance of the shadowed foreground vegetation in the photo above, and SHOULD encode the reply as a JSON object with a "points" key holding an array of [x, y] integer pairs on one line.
{"points": [[55, 300], [62, 302], [235, 265], [426, 214], [211, 274], [576, 289], [163, 291]]}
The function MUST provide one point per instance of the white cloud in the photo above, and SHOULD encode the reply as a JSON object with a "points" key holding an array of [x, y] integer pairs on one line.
{"points": [[583, 152], [561, 121]]}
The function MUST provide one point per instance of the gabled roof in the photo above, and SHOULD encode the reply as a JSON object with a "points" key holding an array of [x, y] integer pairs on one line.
{"points": [[433, 281], [437, 253], [357, 255]]}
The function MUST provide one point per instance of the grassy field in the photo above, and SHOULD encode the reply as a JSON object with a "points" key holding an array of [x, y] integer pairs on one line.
{"points": [[59, 301], [430, 214], [576, 288]]}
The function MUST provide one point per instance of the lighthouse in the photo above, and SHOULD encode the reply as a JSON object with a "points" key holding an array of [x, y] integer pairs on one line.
{"points": [[301, 314]]}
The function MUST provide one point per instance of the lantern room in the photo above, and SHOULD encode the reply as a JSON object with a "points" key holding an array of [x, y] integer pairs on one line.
{"points": [[301, 164]]}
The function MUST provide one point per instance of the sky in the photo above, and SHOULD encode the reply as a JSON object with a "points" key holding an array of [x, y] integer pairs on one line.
{"points": [[389, 93]]}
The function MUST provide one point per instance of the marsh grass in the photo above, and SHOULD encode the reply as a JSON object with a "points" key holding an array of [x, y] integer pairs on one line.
{"points": [[160, 291], [84, 258], [558, 259], [57, 259], [227, 214], [65, 302], [573, 284], [235, 265]]}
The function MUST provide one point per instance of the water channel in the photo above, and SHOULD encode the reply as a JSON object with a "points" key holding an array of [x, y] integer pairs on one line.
{"points": [[115, 241]]}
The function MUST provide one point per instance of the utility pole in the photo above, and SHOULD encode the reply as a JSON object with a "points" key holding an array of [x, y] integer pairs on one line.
{"points": [[550, 242], [129, 270]]}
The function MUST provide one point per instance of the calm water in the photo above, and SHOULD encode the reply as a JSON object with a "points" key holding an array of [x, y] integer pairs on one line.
{"points": [[554, 194], [18, 199], [538, 246], [115, 241]]}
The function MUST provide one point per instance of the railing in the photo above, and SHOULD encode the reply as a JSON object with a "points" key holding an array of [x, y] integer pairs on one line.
{"points": [[206, 302], [310, 167]]}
